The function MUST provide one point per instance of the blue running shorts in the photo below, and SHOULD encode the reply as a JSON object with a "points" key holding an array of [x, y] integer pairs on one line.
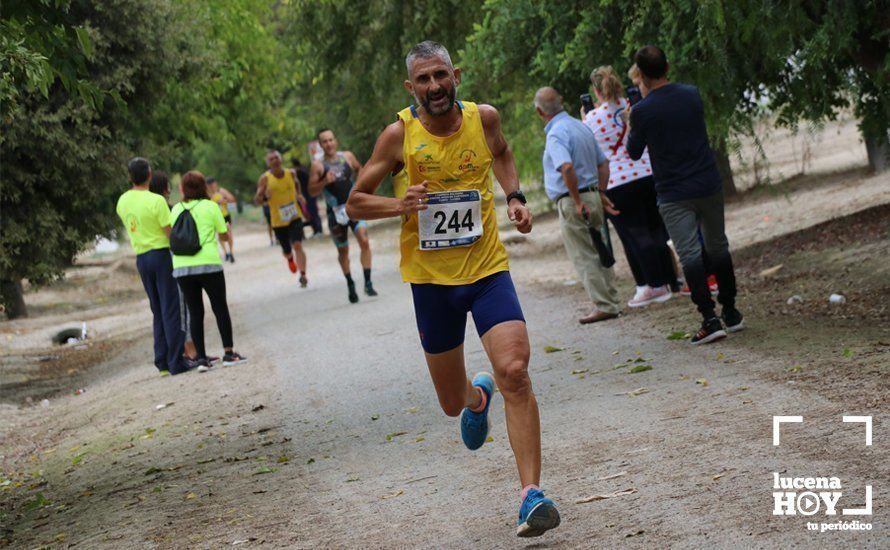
{"points": [[441, 310]]}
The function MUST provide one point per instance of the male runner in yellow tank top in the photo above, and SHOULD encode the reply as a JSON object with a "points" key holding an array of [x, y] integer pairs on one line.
{"points": [[281, 189], [222, 197], [453, 258]]}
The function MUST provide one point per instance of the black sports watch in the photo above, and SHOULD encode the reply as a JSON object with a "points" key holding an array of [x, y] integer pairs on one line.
{"points": [[516, 195]]}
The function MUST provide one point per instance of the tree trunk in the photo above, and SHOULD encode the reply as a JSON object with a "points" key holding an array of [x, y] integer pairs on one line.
{"points": [[725, 169], [878, 153], [13, 298]]}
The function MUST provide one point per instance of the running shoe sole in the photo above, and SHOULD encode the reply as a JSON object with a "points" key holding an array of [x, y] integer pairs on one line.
{"points": [[716, 335], [541, 519], [203, 368], [656, 300], [303, 281], [736, 328], [233, 363]]}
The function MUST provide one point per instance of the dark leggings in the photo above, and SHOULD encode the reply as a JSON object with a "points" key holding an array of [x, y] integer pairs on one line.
{"points": [[215, 286], [642, 232]]}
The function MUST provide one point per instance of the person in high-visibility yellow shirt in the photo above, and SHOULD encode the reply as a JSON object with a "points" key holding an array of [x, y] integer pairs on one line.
{"points": [[222, 197], [453, 257], [280, 188]]}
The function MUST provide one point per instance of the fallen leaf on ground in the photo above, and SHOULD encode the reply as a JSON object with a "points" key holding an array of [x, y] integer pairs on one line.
{"points": [[638, 391], [551, 349], [640, 368], [190, 496], [310, 461], [375, 417], [679, 335], [770, 271], [390, 437], [635, 533], [613, 476], [419, 439], [606, 495], [580, 371], [489, 439], [718, 476], [258, 408], [206, 460], [264, 470], [283, 459], [397, 493], [702, 381], [163, 406]]}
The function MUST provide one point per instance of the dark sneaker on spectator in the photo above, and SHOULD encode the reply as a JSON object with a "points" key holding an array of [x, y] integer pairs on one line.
{"points": [[733, 320], [233, 358], [212, 359], [203, 365], [710, 330]]}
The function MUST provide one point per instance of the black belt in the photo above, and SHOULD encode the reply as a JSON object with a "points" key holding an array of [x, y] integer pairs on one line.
{"points": [[564, 195]]}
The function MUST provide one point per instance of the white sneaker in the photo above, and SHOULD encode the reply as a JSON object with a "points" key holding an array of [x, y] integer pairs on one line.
{"points": [[651, 296]]}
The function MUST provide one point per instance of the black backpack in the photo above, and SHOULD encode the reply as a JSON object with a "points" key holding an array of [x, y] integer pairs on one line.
{"points": [[184, 239]]}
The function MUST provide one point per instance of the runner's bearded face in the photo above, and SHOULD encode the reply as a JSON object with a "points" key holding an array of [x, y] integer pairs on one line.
{"points": [[434, 85]]}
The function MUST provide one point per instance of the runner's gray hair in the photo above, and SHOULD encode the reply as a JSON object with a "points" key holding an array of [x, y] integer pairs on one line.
{"points": [[426, 50], [548, 100]]}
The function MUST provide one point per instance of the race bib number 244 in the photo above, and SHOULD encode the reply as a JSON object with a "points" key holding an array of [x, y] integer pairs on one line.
{"points": [[454, 218]]}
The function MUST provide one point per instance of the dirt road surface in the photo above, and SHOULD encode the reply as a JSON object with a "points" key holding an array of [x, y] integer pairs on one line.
{"points": [[331, 435]]}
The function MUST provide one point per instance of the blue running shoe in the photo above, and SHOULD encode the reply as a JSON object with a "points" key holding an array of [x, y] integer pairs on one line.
{"points": [[537, 515], [474, 426]]}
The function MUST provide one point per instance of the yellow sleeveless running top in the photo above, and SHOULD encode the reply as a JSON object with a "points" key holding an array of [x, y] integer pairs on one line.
{"points": [[223, 205], [281, 192], [459, 162], [400, 183]]}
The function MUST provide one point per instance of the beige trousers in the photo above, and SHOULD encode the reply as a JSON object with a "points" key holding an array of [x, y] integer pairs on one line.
{"points": [[597, 280]]}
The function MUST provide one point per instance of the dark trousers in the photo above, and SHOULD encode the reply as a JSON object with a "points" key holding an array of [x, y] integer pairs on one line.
{"points": [[156, 271], [683, 220], [311, 208], [214, 284], [642, 232]]}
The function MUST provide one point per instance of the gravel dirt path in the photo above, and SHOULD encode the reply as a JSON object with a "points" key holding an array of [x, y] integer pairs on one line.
{"points": [[331, 435]]}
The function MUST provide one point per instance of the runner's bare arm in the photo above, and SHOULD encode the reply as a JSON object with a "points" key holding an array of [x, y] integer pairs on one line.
{"points": [[300, 198], [363, 204], [260, 190], [504, 166], [227, 196], [316, 182]]}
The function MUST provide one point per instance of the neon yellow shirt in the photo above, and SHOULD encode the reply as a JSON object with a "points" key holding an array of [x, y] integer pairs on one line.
{"points": [[459, 163], [282, 193], [209, 221], [144, 215]]}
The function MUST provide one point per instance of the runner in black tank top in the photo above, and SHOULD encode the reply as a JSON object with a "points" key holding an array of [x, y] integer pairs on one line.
{"points": [[333, 175]]}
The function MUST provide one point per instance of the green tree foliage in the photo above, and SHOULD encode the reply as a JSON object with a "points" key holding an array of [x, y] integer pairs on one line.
{"points": [[840, 58], [159, 75], [351, 59]]}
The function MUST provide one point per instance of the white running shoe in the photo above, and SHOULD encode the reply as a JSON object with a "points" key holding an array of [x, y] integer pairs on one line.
{"points": [[651, 296]]}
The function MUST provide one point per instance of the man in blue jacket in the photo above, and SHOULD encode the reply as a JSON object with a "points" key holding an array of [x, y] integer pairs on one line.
{"points": [[670, 122]]}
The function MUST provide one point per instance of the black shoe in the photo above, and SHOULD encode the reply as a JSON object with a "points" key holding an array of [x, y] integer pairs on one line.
{"points": [[710, 330], [733, 320], [369, 289], [303, 280], [233, 358], [232, 258], [353, 295]]}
